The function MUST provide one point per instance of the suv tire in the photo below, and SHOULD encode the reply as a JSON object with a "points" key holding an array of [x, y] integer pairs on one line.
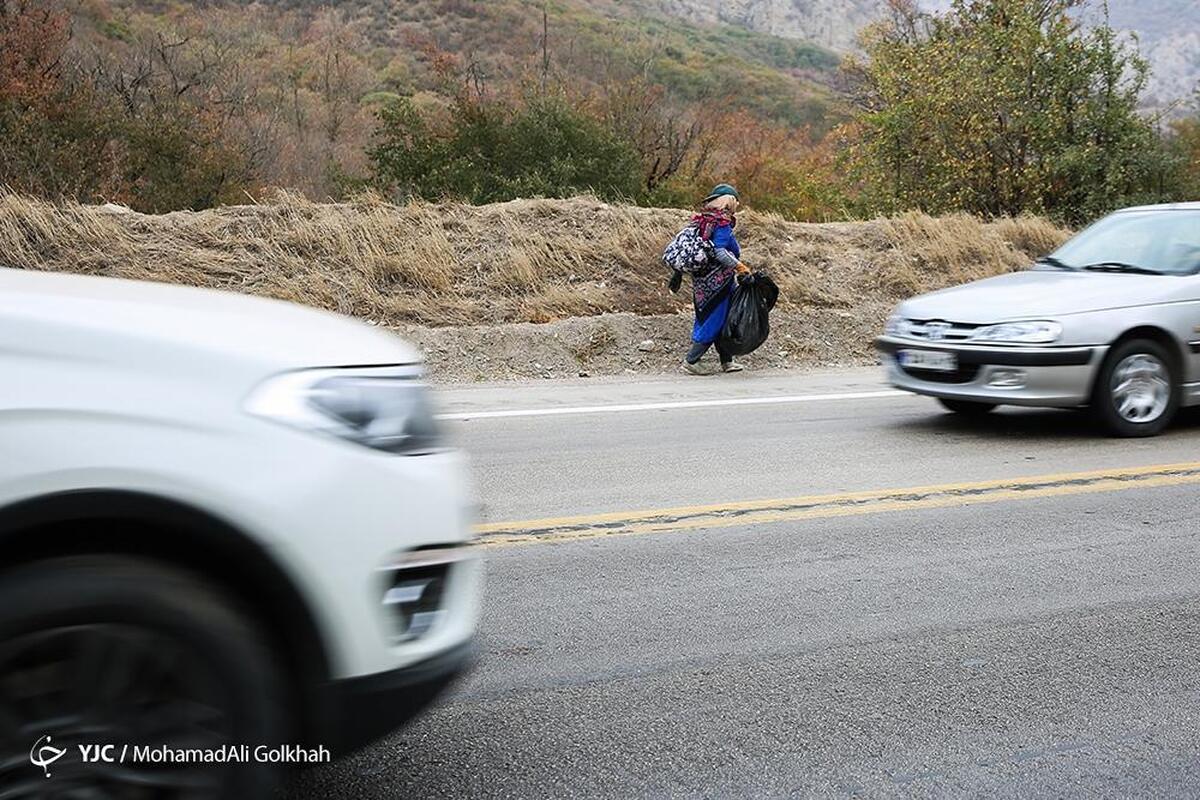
{"points": [[118, 650]]}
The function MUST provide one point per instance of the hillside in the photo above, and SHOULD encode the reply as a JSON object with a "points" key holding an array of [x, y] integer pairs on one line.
{"points": [[563, 286], [770, 50], [588, 44], [286, 93]]}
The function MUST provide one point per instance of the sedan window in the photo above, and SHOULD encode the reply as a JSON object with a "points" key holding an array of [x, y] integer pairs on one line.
{"points": [[1147, 242]]}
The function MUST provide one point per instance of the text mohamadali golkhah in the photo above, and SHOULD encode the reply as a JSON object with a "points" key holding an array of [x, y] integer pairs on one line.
{"points": [[226, 754]]}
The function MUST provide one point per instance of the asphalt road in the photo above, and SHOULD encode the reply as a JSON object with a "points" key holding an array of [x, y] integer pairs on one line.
{"points": [[539, 466], [1042, 642]]}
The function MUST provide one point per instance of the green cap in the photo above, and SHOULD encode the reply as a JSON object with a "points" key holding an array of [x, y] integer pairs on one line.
{"points": [[721, 190]]}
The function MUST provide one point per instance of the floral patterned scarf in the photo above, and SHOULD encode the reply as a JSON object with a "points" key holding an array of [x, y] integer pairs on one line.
{"points": [[710, 219], [710, 288]]}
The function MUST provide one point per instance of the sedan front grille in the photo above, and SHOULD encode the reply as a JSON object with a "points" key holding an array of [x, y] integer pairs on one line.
{"points": [[964, 374], [938, 330]]}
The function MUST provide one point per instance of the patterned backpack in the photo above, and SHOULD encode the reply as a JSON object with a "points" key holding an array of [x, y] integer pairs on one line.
{"points": [[688, 251]]}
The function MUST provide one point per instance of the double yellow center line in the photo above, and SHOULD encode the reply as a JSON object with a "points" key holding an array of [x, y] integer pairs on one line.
{"points": [[757, 512]]}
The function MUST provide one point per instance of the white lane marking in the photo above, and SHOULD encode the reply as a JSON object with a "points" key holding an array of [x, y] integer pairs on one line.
{"points": [[616, 409]]}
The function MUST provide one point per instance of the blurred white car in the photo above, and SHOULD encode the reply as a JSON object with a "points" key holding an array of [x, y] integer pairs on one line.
{"points": [[1111, 320], [224, 521]]}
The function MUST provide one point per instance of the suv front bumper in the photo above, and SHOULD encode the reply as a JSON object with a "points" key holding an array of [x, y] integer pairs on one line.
{"points": [[1048, 376], [372, 706]]}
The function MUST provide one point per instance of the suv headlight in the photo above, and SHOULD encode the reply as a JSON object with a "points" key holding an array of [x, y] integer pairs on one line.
{"points": [[385, 408], [1037, 332]]}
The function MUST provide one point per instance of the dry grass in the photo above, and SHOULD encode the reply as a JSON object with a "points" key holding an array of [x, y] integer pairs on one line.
{"points": [[928, 253], [527, 260]]}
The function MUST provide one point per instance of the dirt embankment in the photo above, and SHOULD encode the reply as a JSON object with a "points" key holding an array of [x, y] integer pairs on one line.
{"points": [[530, 287]]}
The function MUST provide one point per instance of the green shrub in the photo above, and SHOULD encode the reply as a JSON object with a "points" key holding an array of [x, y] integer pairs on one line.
{"points": [[488, 152]]}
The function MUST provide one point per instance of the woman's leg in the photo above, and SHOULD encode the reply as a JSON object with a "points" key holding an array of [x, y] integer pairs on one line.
{"points": [[727, 364], [696, 352]]}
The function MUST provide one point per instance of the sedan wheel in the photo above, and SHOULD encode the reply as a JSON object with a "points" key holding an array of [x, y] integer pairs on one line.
{"points": [[1136, 392], [1142, 388]]}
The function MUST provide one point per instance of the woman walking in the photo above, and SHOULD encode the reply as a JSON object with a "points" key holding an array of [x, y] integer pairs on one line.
{"points": [[713, 285]]}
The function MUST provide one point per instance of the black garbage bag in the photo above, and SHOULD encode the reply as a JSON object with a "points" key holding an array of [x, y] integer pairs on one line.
{"points": [[747, 325]]}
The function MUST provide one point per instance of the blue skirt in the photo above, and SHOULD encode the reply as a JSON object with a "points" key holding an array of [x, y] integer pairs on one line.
{"points": [[709, 330]]}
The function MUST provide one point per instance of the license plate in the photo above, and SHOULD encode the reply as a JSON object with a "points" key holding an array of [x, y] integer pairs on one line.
{"points": [[928, 359]]}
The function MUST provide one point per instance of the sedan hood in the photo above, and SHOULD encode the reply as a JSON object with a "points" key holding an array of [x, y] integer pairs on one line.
{"points": [[1041, 294]]}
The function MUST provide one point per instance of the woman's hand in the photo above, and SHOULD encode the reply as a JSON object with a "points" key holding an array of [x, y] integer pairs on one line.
{"points": [[742, 269]]}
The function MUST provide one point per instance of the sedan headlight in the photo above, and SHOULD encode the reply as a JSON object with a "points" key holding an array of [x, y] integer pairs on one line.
{"points": [[1037, 332], [385, 408]]}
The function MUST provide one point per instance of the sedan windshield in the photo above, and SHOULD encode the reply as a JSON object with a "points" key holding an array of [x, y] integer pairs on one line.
{"points": [[1158, 242]]}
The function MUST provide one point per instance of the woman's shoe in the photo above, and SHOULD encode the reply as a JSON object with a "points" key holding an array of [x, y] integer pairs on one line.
{"points": [[693, 369], [731, 366]]}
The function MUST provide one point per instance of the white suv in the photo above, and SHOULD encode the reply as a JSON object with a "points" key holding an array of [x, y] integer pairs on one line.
{"points": [[224, 522]]}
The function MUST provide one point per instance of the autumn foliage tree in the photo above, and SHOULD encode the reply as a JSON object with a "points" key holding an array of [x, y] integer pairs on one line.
{"points": [[1003, 107], [33, 38], [52, 141], [147, 124]]}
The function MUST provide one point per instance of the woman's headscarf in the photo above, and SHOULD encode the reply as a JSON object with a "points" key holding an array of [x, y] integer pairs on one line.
{"points": [[717, 212]]}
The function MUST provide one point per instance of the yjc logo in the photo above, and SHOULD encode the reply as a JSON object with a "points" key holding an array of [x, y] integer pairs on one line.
{"points": [[43, 754]]}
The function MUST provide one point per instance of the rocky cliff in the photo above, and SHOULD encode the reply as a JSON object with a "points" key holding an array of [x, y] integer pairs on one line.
{"points": [[830, 23]]}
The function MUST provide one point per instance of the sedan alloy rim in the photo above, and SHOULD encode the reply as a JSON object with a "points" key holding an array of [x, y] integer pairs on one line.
{"points": [[1141, 388]]}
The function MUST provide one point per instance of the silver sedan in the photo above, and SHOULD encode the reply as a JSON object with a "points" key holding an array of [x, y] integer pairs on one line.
{"points": [[1110, 320]]}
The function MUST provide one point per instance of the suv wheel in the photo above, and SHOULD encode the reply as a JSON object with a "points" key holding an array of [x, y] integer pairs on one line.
{"points": [[122, 651], [1137, 392], [968, 408]]}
